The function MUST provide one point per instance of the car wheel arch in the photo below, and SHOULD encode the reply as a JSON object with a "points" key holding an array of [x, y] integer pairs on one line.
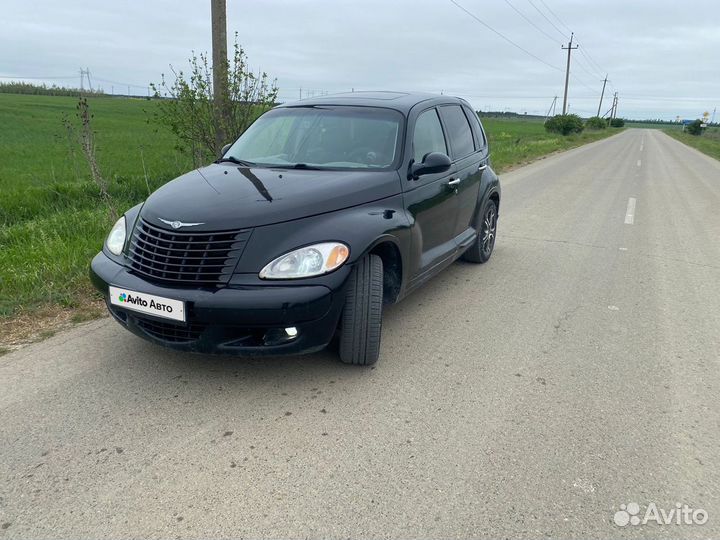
{"points": [[387, 247], [495, 196]]}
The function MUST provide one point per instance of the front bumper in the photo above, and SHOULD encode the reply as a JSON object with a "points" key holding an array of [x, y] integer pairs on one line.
{"points": [[243, 319]]}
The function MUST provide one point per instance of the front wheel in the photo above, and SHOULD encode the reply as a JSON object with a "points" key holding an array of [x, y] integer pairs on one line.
{"points": [[481, 250], [361, 321]]}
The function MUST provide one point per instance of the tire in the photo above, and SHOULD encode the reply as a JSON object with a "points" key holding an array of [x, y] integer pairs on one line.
{"points": [[481, 249], [361, 322]]}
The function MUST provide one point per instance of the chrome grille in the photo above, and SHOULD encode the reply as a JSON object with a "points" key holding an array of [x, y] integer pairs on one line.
{"points": [[185, 257]]}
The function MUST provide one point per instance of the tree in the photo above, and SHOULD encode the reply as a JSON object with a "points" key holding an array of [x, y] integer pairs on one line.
{"points": [[595, 122], [564, 124], [188, 108], [695, 128], [617, 122]]}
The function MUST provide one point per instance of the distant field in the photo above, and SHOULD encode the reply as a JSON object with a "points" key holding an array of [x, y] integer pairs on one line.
{"points": [[51, 218], [517, 141], [708, 142]]}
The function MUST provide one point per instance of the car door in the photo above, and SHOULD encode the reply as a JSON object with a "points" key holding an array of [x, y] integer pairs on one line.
{"points": [[430, 201], [468, 160]]}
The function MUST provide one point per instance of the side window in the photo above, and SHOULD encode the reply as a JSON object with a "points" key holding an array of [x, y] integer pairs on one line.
{"points": [[428, 136], [459, 132], [477, 127]]}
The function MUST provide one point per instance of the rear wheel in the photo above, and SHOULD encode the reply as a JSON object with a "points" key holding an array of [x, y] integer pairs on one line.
{"points": [[481, 250], [361, 322]]}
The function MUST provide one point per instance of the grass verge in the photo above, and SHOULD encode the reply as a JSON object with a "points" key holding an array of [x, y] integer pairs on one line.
{"points": [[708, 143], [518, 142]]}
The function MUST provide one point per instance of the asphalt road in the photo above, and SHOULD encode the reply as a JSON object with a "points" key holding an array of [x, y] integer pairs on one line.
{"points": [[528, 397]]}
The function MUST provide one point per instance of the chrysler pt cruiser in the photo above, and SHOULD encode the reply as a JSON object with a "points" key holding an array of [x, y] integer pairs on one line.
{"points": [[319, 214]]}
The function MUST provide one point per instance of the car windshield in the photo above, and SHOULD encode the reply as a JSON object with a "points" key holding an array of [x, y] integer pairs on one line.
{"points": [[323, 137]]}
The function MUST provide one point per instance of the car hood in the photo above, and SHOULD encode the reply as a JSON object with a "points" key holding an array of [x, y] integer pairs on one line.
{"points": [[223, 196]]}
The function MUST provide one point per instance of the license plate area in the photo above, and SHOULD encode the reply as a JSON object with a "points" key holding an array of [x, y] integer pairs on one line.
{"points": [[150, 304]]}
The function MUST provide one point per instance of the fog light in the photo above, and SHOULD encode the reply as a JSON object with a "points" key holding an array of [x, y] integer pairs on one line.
{"points": [[278, 336]]}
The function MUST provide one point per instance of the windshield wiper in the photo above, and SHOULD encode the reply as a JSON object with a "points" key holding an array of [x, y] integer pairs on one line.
{"points": [[304, 166], [236, 161]]}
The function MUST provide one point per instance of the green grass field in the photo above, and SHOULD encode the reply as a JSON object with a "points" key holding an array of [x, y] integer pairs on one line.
{"points": [[51, 217], [708, 143], [52, 220], [517, 141]]}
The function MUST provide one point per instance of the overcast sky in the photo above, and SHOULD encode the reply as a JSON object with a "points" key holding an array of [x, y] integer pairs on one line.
{"points": [[662, 56]]}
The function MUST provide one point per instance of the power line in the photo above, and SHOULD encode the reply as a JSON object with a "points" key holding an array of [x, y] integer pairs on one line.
{"points": [[121, 83], [554, 15], [563, 34], [593, 75], [581, 83], [592, 62], [551, 38], [486, 25]]}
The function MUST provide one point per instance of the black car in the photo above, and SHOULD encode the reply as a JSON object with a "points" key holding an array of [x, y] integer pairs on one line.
{"points": [[320, 213]]}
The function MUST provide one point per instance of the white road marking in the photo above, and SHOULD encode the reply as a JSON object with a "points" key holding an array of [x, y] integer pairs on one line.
{"points": [[641, 146], [622, 249], [639, 163], [613, 308], [630, 214]]}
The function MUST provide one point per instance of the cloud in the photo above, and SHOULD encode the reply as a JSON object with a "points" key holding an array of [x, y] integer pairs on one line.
{"points": [[661, 55]]}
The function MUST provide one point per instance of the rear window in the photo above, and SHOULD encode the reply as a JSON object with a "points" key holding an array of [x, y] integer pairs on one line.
{"points": [[459, 132], [481, 142]]}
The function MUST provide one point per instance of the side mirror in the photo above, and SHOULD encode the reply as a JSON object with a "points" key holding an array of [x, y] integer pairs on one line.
{"points": [[225, 149], [432, 163]]}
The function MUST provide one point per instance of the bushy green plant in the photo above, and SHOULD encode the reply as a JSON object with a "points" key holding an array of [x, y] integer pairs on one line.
{"points": [[564, 124], [617, 122], [190, 112], [595, 122], [694, 128]]}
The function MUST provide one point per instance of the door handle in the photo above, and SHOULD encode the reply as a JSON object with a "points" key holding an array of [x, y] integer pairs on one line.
{"points": [[454, 182], [482, 167]]}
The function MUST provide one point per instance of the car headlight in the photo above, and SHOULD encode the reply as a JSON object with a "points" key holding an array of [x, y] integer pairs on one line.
{"points": [[116, 239], [308, 261]]}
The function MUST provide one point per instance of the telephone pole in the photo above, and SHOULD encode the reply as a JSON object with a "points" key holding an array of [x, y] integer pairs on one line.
{"points": [[220, 70], [613, 109], [602, 94], [569, 49], [552, 108]]}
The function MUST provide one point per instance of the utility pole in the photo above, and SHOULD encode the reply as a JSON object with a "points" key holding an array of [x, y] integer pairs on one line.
{"points": [[569, 49], [220, 71], [613, 109], [552, 108], [713, 116], [602, 94], [85, 73]]}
